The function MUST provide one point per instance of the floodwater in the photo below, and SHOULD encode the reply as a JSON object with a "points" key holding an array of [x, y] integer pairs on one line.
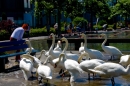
{"points": [[15, 78]]}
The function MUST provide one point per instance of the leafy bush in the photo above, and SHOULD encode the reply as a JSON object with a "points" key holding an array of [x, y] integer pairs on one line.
{"points": [[110, 26], [4, 35], [52, 30], [77, 20], [102, 22], [38, 32], [98, 26]]}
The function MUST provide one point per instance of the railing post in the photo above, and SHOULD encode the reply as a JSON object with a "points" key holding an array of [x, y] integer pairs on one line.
{"points": [[77, 45], [2, 65]]}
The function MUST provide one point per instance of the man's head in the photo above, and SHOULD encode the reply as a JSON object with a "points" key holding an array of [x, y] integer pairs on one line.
{"points": [[25, 26]]}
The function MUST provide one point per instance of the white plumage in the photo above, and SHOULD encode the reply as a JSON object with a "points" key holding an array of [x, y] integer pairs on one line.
{"points": [[111, 70], [27, 64], [89, 64], [113, 51], [125, 60], [57, 48], [71, 66], [94, 54], [52, 52], [81, 48]]}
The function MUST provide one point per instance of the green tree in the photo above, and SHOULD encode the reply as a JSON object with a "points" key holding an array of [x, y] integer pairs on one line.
{"points": [[122, 8], [69, 7], [100, 8]]}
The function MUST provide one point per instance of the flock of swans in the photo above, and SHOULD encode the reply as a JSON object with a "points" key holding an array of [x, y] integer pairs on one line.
{"points": [[74, 64]]}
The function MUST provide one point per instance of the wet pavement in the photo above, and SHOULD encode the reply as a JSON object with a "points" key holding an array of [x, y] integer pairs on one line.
{"points": [[15, 78]]}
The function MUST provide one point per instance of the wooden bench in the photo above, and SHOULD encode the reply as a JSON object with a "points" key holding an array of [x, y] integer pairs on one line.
{"points": [[12, 46]]}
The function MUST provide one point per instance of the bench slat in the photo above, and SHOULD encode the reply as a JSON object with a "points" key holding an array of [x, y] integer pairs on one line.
{"points": [[12, 54], [17, 47], [8, 43]]}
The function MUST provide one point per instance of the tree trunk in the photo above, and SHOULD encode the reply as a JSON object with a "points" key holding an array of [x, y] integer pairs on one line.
{"points": [[59, 23]]}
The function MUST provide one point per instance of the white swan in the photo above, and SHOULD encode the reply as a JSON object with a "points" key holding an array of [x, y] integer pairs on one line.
{"points": [[111, 70], [113, 51], [88, 64], [71, 66], [26, 65], [81, 48], [94, 54], [57, 48], [42, 70], [51, 52], [29, 50], [68, 55], [125, 60]]}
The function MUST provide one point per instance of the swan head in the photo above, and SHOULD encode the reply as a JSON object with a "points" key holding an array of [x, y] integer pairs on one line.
{"points": [[59, 42], [61, 55], [82, 55], [63, 39], [83, 35], [52, 35], [82, 44]]}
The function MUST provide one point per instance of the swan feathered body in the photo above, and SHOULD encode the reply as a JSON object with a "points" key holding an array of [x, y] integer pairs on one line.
{"points": [[26, 65], [57, 48], [111, 70], [125, 60], [94, 54], [113, 51], [89, 64], [52, 52], [71, 66], [44, 72], [69, 55], [81, 48]]}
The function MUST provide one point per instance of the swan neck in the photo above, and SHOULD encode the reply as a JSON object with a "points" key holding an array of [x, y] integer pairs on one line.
{"points": [[30, 46], [66, 46], [53, 42], [41, 54], [127, 70], [45, 62], [81, 56], [61, 56], [104, 40]]}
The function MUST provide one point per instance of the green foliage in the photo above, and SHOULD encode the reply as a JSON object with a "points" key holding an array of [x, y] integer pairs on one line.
{"points": [[62, 29], [52, 30], [97, 26], [77, 20], [121, 8], [110, 26], [102, 22], [4, 35], [38, 32]]}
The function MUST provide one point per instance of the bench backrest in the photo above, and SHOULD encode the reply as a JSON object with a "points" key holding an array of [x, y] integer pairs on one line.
{"points": [[12, 45]]}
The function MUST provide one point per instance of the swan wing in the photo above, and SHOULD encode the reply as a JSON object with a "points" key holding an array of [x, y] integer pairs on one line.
{"points": [[72, 66], [72, 56], [97, 71], [112, 50], [44, 71]]}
